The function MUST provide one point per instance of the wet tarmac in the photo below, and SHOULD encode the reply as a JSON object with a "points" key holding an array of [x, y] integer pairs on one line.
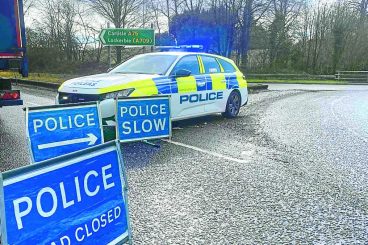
{"points": [[292, 168]]}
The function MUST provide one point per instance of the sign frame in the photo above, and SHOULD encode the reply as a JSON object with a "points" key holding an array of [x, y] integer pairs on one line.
{"points": [[100, 36], [142, 98], [73, 156], [60, 107]]}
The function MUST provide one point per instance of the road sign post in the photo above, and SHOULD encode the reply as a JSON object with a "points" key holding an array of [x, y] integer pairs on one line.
{"points": [[143, 118], [77, 198], [127, 37], [57, 130]]}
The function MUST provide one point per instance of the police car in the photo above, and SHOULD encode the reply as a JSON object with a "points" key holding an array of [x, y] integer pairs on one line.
{"points": [[198, 83]]}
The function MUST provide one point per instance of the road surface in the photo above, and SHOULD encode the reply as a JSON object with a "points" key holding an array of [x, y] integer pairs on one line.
{"points": [[292, 168]]}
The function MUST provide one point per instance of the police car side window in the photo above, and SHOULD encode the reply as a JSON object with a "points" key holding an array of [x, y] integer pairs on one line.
{"points": [[228, 68], [210, 64], [189, 63]]}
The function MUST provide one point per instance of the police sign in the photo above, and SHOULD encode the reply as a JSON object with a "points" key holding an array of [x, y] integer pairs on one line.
{"points": [[58, 130], [143, 118], [72, 199]]}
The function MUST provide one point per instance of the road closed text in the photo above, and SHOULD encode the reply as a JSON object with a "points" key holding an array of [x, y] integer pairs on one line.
{"points": [[91, 227]]}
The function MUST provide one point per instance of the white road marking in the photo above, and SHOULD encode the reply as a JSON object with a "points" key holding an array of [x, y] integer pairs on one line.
{"points": [[248, 153], [206, 151], [31, 103]]}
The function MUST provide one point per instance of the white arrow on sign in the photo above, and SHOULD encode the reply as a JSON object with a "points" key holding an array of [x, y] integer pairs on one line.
{"points": [[102, 37], [91, 138]]}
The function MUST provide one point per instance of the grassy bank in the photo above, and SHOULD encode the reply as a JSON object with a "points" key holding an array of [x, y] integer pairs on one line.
{"points": [[293, 81], [43, 77], [60, 78]]}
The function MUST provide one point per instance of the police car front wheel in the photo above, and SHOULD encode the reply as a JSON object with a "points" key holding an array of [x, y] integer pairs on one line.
{"points": [[233, 105]]}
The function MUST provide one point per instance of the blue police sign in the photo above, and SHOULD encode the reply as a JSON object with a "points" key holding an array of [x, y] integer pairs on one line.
{"points": [[72, 199], [57, 130], [143, 118]]}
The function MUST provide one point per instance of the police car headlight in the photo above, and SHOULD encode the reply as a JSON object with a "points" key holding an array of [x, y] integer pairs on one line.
{"points": [[121, 93]]}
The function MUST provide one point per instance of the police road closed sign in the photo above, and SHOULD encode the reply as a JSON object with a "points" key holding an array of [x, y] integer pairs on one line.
{"points": [[143, 118], [57, 130], [73, 199]]}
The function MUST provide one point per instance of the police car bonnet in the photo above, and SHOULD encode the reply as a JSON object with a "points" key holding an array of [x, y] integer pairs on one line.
{"points": [[105, 80]]}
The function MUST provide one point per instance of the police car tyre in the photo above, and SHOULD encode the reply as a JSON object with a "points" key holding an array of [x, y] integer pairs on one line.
{"points": [[233, 105]]}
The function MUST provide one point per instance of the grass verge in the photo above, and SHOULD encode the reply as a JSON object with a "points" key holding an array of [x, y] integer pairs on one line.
{"points": [[250, 80], [60, 78], [42, 77]]}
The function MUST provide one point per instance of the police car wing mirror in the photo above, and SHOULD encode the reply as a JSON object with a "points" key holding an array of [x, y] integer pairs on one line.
{"points": [[182, 73]]}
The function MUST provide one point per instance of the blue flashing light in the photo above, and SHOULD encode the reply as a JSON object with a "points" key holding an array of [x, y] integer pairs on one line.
{"points": [[184, 48]]}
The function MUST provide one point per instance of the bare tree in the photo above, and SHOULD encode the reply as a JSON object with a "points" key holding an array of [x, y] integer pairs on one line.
{"points": [[252, 11], [284, 14], [28, 4], [193, 5], [88, 34], [122, 13], [169, 8]]}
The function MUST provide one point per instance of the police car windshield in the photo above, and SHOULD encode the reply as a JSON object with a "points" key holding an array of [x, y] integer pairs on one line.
{"points": [[146, 64]]}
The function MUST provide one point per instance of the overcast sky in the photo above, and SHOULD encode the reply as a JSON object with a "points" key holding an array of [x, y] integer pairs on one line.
{"points": [[34, 15]]}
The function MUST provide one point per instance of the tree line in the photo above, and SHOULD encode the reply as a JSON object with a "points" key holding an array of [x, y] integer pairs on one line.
{"points": [[284, 36]]}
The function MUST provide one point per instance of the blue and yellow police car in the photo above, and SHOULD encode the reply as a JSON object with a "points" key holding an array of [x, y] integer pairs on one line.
{"points": [[199, 84]]}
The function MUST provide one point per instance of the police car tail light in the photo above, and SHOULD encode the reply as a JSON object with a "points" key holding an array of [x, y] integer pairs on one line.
{"points": [[121, 93]]}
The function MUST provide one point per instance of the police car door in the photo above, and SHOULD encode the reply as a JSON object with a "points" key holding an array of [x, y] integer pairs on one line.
{"points": [[187, 102], [216, 84]]}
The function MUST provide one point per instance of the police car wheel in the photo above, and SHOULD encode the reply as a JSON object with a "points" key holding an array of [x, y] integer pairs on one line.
{"points": [[233, 105]]}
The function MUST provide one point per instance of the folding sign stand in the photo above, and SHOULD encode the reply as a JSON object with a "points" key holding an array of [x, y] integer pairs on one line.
{"points": [[152, 143]]}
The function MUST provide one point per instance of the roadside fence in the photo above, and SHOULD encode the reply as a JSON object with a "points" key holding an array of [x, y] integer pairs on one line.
{"points": [[352, 76]]}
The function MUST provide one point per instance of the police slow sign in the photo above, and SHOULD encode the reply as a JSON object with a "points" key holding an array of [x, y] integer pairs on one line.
{"points": [[143, 118], [73, 199]]}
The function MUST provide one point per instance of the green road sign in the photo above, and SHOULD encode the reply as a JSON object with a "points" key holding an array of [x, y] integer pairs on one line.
{"points": [[127, 37]]}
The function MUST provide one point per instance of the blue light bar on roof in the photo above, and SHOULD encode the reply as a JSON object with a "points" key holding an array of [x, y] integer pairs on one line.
{"points": [[185, 48]]}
